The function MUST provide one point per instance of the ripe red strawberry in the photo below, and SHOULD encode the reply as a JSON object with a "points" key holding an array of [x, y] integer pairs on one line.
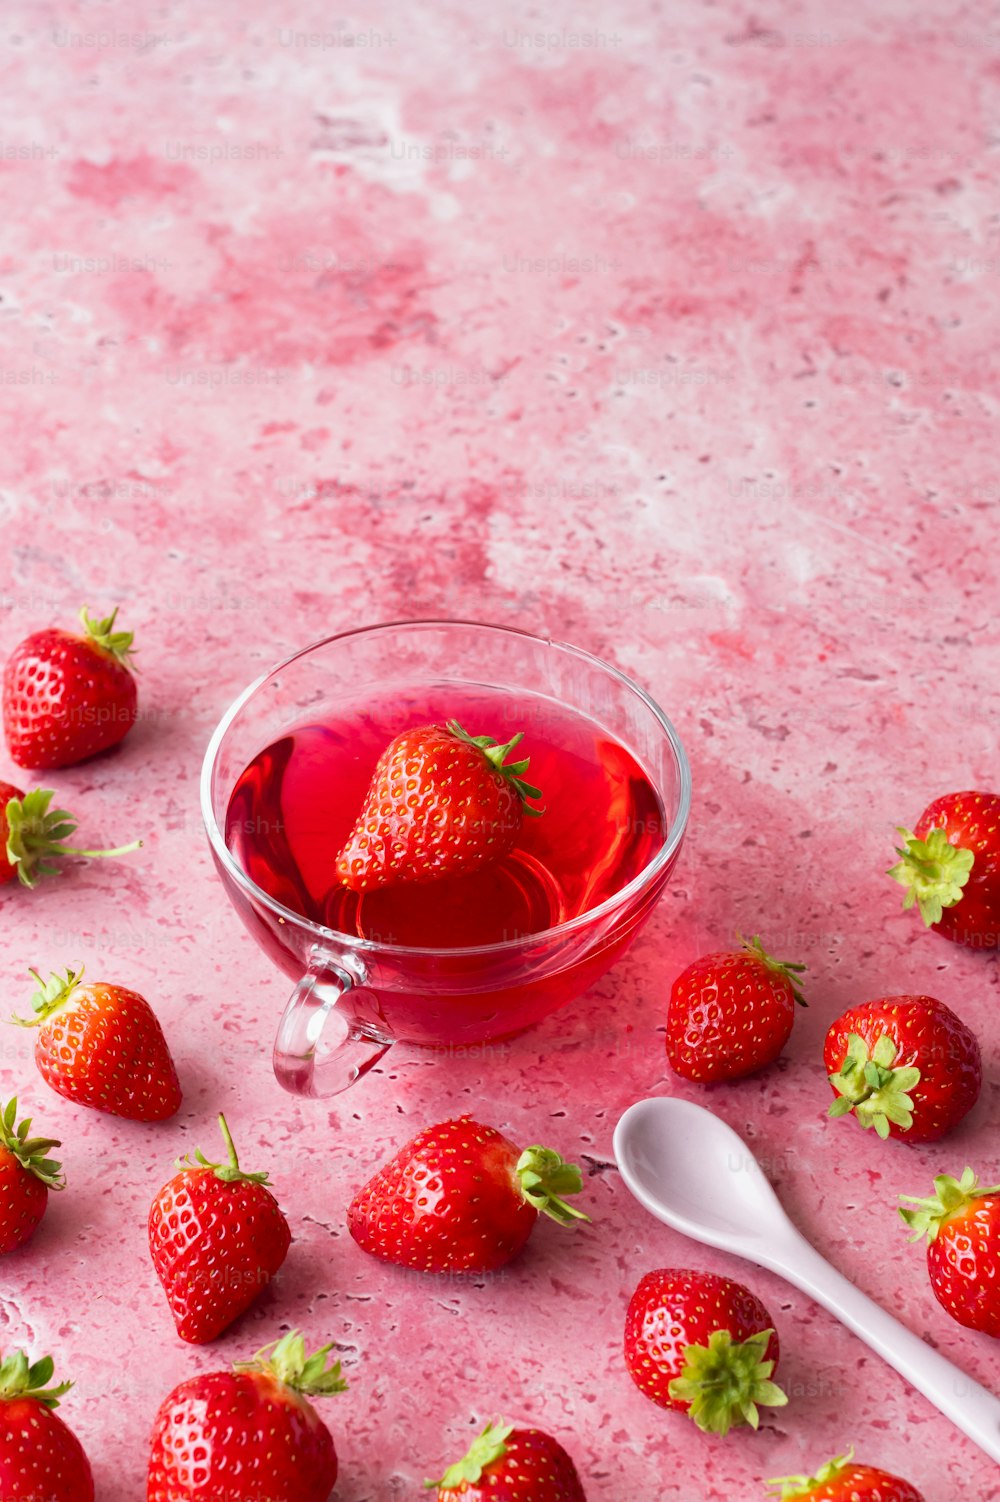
{"points": [[962, 1224], [950, 866], [459, 1197], [102, 1046], [505, 1464], [440, 802], [731, 1013], [216, 1237], [31, 834], [40, 1457], [27, 1174], [905, 1065], [702, 1345], [66, 696], [249, 1434], [841, 1480]]}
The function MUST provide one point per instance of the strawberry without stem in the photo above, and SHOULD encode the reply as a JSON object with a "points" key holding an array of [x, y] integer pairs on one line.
{"points": [[102, 1046], [32, 835], [950, 866], [511, 1465], [27, 1173], [962, 1224], [905, 1065], [249, 1434], [731, 1013], [841, 1480], [67, 697], [217, 1237], [460, 1197], [702, 1345], [440, 802], [40, 1457]]}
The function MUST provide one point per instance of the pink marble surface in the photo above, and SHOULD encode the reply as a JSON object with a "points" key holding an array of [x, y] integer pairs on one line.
{"points": [[674, 343]]}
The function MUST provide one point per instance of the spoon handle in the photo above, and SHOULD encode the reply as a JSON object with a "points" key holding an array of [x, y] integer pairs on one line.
{"points": [[971, 1407]]}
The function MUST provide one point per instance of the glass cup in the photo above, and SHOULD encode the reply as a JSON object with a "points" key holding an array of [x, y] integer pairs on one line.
{"points": [[355, 997]]}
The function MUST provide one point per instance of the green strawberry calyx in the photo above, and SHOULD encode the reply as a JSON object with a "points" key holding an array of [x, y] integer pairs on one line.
{"points": [[869, 1085], [927, 1216], [725, 1381], [230, 1172], [486, 1448], [36, 832], [51, 996], [288, 1362], [102, 633], [544, 1178], [495, 754], [21, 1379], [801, 1486], [933, 871], [786, 968], [31, 1152]]}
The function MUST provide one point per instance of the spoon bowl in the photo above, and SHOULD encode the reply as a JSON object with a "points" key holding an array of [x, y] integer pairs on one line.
{"points": [[695, 1174]]}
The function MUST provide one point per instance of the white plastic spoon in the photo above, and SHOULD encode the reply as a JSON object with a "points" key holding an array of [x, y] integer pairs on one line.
{"points": [[693, 1172]]}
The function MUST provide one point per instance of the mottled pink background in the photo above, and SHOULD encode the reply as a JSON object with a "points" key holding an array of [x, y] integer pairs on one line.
{"points": [[676, 345]]}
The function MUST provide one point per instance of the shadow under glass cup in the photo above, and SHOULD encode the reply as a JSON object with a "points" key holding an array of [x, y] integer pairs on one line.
{"points": [[356, 997]]}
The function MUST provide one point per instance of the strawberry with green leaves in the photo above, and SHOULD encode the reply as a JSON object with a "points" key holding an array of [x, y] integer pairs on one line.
{"points": [[250, 1434], [961, 1221], [102, 1046], [844, 1480], [702, 1345], [41, 1459], [33, 834], [217, 1237], [505, 1464], [440, 802], [66, 696], [731, 1013], [460, 1197], [27, 1173], [907, 1066], [950, 867]]}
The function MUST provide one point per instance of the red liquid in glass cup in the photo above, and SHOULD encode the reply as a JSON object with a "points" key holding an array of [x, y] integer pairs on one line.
{"points": [[293, 807]]}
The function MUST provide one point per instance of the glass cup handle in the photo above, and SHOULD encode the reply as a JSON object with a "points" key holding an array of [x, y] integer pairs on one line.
{"points": [[327, 1038]]}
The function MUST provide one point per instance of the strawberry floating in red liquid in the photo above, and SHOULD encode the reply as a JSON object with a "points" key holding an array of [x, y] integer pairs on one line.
{"points": [[66, 696]]}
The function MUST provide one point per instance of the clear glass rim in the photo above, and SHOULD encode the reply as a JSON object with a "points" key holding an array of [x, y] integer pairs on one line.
{"points": [[332, 938]]}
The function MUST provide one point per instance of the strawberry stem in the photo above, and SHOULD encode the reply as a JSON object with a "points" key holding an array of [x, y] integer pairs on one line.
{"points": [[230, 1172], [544, 1178], [31, 1152], [102, 634], [724, 1382], [19, 1379], [50, 997], [486, 1448], [289, 1363], [868, 1085], [786, 968], [36, 832], [495, 754], [933, 871], [802, 1486], [950, 1195]]}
